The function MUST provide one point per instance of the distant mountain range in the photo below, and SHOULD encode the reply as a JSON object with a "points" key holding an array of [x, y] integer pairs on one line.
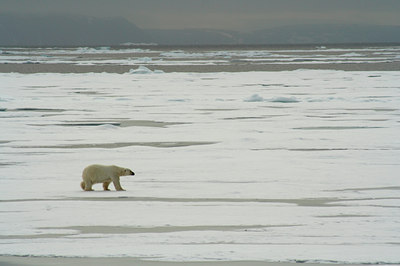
{"points": [[64, 30]]}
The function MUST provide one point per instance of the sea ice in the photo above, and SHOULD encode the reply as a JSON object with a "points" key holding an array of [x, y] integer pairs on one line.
{"points": [[315, 181], [144, 70], [79, 56], [258, 98], [285, 99], [254, 98]]}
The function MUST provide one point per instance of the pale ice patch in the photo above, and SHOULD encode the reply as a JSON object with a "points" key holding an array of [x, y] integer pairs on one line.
{"points": [[144, 59], [285, 99], [176, 54], [93, 50], [351, 55], [254, 98], [179, 100], [138, 44], [145, 70], [2, 99], [219, 54], [280, 99], [324, 99]]}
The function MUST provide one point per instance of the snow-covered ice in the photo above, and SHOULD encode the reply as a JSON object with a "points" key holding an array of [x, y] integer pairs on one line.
{"points": [[273, 166]]}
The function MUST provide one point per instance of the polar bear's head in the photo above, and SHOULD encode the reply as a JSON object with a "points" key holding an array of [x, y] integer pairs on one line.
{"points": [[127, 171]]}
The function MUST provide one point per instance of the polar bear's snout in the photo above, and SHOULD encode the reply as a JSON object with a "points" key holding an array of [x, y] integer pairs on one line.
{"points": [[129, 172]]}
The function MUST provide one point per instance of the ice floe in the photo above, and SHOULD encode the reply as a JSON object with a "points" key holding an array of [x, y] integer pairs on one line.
{"points": [[279, 99], [282, 99], [255, 98], [144, 70]]}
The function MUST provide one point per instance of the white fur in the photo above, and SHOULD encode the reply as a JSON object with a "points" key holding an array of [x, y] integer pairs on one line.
{"points": [[97, 173]]}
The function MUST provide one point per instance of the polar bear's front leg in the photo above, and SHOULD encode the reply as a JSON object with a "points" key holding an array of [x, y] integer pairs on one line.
{"points": [[117, 184]]}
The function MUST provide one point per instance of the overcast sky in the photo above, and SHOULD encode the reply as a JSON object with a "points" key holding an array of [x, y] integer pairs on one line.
{"points": [[240, 15]]}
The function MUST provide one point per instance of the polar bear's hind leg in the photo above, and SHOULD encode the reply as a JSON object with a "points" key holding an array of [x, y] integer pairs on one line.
{"points": [[86, 186], [105, 185]]}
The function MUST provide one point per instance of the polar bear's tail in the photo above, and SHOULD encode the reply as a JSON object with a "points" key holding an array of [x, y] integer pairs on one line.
{"points": [[83, 185]]}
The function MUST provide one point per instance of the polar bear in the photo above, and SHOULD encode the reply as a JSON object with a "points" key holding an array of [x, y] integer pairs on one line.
{"points": [[97, 173]]}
